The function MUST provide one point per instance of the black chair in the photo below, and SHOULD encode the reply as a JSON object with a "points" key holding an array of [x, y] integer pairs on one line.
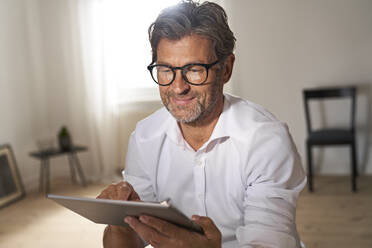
{"points": [[335, 136]]}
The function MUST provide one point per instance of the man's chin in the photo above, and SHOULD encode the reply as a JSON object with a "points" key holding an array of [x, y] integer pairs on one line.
{"points": [[184, 114], [184, 117]]}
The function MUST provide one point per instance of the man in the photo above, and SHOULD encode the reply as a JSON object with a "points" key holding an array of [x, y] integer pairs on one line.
{"points": [[226, 162]]}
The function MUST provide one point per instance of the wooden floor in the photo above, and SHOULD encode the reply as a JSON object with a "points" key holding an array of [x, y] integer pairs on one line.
{"points": [[38, 222], [332, 217]]}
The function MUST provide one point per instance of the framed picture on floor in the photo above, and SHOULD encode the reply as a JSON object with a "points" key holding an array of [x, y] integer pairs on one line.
{"points": [[11, 187]]}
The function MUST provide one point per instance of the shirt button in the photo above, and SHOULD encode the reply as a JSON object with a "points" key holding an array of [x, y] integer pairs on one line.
{"points": [[201, 196]]}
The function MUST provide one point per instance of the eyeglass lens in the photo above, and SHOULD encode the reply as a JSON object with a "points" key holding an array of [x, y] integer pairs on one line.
{"points": [[195, 74]]}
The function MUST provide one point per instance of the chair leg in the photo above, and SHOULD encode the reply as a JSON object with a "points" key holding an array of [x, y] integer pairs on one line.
{"points": [[354, 171], [309, 167]]}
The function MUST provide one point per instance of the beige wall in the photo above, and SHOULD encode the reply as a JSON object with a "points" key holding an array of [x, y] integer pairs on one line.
{"points": [[288, 45], [285, 46], [130, 114], [33, 98], [22, 98]]}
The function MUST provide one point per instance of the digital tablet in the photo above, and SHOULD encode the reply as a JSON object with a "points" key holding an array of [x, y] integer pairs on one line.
{"points": [[113, 212]]}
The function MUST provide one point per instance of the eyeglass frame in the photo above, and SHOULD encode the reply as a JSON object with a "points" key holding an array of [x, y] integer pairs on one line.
{"points": [[206, 66]]}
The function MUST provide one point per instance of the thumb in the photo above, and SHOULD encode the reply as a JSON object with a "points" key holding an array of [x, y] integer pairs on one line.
{"points": [[134, 196], [210, 229]]}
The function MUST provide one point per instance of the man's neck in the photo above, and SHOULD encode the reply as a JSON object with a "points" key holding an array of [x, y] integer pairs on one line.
{"points": [[196, 134]]}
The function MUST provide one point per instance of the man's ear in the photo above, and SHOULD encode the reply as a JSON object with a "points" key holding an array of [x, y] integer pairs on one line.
{"points": [[228, 68]]}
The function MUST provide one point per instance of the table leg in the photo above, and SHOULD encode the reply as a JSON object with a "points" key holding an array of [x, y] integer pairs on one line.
{"points": [[41, 179], [79, 169], [72, 170], [47, 176]]}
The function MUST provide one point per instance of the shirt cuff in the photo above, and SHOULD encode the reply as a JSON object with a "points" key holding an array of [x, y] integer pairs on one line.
{"points": [[261, 237]]}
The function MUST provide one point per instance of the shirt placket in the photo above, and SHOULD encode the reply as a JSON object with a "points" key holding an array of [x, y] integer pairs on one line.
{"points": [[199, 183]]}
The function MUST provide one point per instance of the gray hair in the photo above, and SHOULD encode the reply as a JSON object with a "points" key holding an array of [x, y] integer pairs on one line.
{"points": [[186, 18]]}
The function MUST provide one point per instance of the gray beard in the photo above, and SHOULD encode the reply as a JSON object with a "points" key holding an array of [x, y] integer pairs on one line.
{"points": [[200, 112], [192, 117]]}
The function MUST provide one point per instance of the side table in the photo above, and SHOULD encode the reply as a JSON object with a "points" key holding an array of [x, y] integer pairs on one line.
{"points": [[74, 163]]}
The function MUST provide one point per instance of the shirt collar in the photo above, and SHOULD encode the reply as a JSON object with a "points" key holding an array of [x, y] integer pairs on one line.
{"points": [[173, 131]]}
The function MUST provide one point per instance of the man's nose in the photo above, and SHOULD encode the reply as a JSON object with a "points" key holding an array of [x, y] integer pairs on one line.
{"points": [[179, 84]]}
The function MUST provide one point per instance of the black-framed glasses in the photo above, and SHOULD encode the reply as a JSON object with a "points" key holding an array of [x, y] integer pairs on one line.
{"points": [[195, 74]]}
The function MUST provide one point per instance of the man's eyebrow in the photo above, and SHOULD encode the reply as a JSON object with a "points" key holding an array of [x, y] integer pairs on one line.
{"points": [[191, 62], [161, 62]]}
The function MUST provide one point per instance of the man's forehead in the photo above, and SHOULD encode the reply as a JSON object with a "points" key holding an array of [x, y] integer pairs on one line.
{"points": [[191, 38], [187, 46]]}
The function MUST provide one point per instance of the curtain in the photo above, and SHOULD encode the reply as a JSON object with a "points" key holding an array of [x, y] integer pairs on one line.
{"points": [[110, 48], [91, 57], [101, 102], [78, 95]]}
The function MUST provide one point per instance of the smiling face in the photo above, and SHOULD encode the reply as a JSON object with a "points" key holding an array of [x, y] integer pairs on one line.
{"points": [[189, 103]]}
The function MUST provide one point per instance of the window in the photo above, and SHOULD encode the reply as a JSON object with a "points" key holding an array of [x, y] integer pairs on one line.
{"points": [[127, 51]]}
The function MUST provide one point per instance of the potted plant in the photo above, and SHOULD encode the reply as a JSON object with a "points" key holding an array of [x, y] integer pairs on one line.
{"points": [[64, 139]]}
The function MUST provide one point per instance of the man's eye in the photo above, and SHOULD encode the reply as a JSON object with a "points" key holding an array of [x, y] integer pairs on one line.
{"points": [[164, 70], [196, 69]]}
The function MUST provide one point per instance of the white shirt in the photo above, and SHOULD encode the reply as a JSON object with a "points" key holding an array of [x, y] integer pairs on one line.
{"points": [[246, 177]]}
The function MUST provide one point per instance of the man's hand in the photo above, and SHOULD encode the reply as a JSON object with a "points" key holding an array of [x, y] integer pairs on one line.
{"points": [[120, 191], [160, 233], [117, 236]]}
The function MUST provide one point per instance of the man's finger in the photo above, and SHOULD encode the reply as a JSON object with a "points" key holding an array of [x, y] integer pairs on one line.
{"points": [[120, 191], [146, 232], [123, 192], [126, 191], [161, 226], [210, 229], [108, 193], [103, 195], [133, 196]]}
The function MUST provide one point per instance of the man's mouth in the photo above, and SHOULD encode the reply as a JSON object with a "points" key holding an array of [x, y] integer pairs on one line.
{"points": [[182, 101]]}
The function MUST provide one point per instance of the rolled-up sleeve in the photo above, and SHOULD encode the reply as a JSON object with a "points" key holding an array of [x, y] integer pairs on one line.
{"points": [[275, 177]]}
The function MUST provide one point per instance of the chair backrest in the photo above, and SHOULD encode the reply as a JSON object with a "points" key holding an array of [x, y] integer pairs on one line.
{"points": [[326, 93]]}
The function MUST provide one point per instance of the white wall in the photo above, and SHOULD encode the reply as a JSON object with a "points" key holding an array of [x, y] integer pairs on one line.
{"points": [[22, 120], [288, 45], [130, 114], [34, 100], [283, 47]]}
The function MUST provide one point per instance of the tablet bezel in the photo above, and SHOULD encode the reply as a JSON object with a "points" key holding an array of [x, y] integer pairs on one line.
{"points": [[113, 212]]}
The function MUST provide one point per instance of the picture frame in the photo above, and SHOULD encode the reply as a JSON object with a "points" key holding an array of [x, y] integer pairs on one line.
{"points": [[11, 186]]}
